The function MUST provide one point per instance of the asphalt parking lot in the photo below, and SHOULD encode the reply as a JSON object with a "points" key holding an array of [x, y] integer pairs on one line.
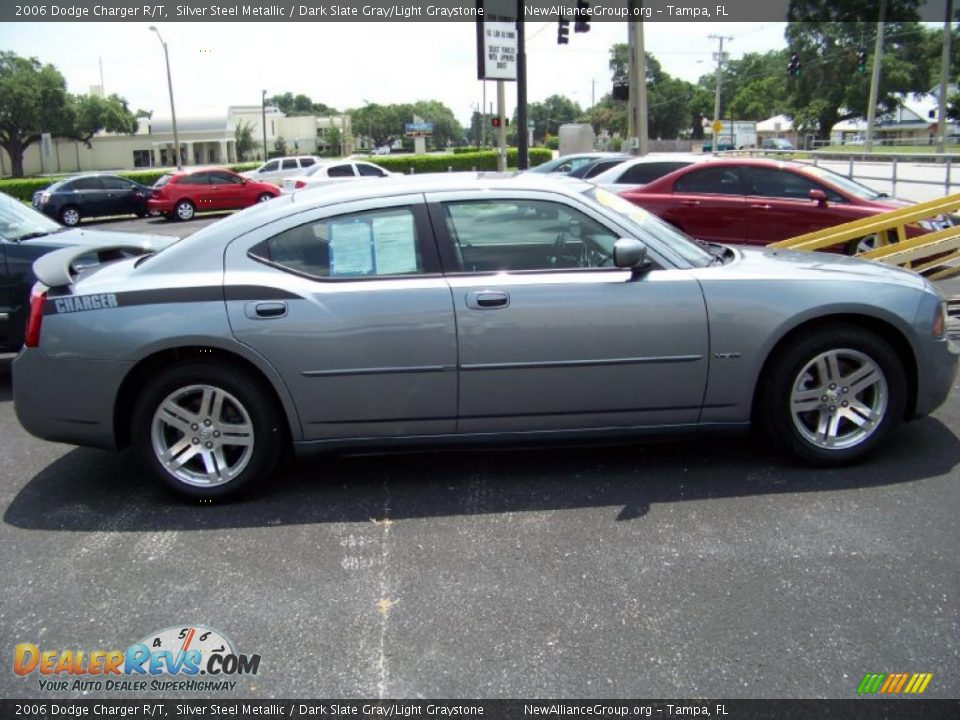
{"points": [[703, 567]]}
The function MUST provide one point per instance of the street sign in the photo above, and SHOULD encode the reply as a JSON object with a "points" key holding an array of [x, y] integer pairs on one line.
{"points": [[499, 51], [717, 126], [418, 129]]}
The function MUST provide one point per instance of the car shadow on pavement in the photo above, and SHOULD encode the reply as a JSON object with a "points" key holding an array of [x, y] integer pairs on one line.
{"points": [[90, 490]]}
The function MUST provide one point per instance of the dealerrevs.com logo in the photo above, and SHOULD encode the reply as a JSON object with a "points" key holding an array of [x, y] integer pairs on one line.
{"points": [[196, 657]]}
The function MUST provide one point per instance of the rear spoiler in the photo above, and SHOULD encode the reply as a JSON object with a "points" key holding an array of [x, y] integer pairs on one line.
{"points": [[56, 269]]}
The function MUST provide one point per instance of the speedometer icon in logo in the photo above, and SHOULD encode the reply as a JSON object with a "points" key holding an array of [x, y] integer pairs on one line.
{"points": [[184, 648]]}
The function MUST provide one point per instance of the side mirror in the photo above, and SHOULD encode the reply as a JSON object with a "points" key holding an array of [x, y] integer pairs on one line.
{"points": [[630, 253], [820, 196]]}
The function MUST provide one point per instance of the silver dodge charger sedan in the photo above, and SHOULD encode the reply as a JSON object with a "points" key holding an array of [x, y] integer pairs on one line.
{"points": [[452, 309]]}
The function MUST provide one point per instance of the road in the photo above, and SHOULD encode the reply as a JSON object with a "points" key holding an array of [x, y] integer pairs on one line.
{"points": [[701, 567]]}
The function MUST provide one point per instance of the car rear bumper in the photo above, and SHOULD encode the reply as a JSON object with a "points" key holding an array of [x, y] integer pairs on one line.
{"points": [[67, 400], [161, 205]]}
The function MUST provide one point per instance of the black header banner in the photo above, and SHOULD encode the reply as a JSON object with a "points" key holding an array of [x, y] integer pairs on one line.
{"points": [[699, 11], [619, 709]]}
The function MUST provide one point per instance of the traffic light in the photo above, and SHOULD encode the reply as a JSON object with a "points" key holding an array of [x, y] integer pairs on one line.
{"points": [[862, 61], [563, 32], [793, 67], [582, 23], [495, 121]]}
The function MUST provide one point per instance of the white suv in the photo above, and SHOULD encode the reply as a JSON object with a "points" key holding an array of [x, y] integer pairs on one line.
{"points": [[279, 168]]}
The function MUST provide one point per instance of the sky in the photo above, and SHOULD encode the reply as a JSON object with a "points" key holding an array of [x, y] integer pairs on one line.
{"points": [[343, 64]]}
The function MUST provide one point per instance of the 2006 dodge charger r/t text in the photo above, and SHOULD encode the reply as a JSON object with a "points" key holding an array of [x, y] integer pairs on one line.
{"points": [[446, 309]]}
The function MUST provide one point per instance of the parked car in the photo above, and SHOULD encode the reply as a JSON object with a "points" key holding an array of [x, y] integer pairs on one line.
{"points": [[757, 201], [180, 195], [276, 170], [88, 196], [776, 144], [568, 163], [591, 169], [458, 308], [26, 235], [638, 171], [334, 171]]}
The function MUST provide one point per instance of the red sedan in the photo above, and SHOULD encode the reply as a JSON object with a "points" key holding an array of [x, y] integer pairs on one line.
{"points": [[758, 202], [180, 195]]}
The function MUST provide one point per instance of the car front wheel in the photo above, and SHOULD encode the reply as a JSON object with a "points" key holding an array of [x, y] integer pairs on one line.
{"points": [[833, 395], [70, 216], [207, 429], [263, 197]]}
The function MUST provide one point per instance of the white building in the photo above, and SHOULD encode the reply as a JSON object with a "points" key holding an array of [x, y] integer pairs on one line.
{"points": [[204, 140]]}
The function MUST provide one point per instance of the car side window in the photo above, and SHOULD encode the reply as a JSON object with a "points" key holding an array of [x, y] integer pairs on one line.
{"points": [[643, 173], [270, 166], [200, 178], [369, 170], [513, 235], [86, 183], [115, 183], [222, 178], [307, 162], [712, 181], [375, 243], [340, 171], [290, 164], [768, 182]]}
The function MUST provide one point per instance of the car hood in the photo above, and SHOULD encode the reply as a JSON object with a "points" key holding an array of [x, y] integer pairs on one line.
{"points": [[97, 238], [790, 265]]}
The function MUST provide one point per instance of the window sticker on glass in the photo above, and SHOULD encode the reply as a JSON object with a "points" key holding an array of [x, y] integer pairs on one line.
{"points": [[350, 249], [395, 245]]}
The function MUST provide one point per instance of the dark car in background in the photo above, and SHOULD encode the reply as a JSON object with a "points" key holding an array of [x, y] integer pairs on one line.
{"points": [[25, 235], [592, 169], [89, 196], [182, 194]]}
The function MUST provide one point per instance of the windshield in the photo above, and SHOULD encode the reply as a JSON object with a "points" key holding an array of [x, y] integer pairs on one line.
{"points": [[843, 182], [648, 224], [19, 222]]}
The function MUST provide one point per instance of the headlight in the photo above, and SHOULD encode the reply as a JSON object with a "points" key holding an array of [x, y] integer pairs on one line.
{"points": [[940, 320], [45, 197]]}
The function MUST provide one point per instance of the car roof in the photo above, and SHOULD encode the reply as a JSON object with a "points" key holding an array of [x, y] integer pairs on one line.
{"points": [[199, 168]]}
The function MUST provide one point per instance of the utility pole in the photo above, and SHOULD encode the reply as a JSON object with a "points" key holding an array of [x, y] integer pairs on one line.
{"points": [[263, 121], [103, 89], [173, 110], [944, 79], [637, 116], [501, 130], [875, 77], [523, 157], [719, 57]]}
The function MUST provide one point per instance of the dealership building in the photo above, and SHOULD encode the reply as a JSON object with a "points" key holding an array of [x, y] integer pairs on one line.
{"points": [[204, 140]]}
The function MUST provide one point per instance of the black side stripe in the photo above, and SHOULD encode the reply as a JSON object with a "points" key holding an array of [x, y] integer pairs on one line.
{"points": [[64, 304]]}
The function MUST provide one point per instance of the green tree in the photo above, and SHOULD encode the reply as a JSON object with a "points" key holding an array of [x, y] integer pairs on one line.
{"points": [[279, 147], [827, 36], [243, 136], [91, 114], [33, 100], [333, 139], [549, 115]]}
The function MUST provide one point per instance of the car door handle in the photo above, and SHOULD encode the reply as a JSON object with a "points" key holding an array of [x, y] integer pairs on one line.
{"points": [[487, 299], [690, 203], [266, 310], [761, 206]]}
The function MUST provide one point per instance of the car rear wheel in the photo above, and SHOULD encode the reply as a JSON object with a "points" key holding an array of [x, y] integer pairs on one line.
{"points": [[868, 243], [70, 216], [833, 395], [207, 429], [184, 210], [263, 197]]}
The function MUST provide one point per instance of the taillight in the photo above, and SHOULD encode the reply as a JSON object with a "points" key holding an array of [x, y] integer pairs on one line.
{"points": [[299, 184], [32, 337]]}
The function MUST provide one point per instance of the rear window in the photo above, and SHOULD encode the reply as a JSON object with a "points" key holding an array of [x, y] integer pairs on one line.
{"points": [[163, 180]]}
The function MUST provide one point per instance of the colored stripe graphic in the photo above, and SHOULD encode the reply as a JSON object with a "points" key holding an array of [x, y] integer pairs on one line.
{"points": [[894, 683]]}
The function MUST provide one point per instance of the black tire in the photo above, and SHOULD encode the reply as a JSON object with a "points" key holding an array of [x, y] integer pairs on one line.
{"points": [[788, 374], [243, 397], [264, 197], [70, 215], [866, 243], [184, 210]]}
